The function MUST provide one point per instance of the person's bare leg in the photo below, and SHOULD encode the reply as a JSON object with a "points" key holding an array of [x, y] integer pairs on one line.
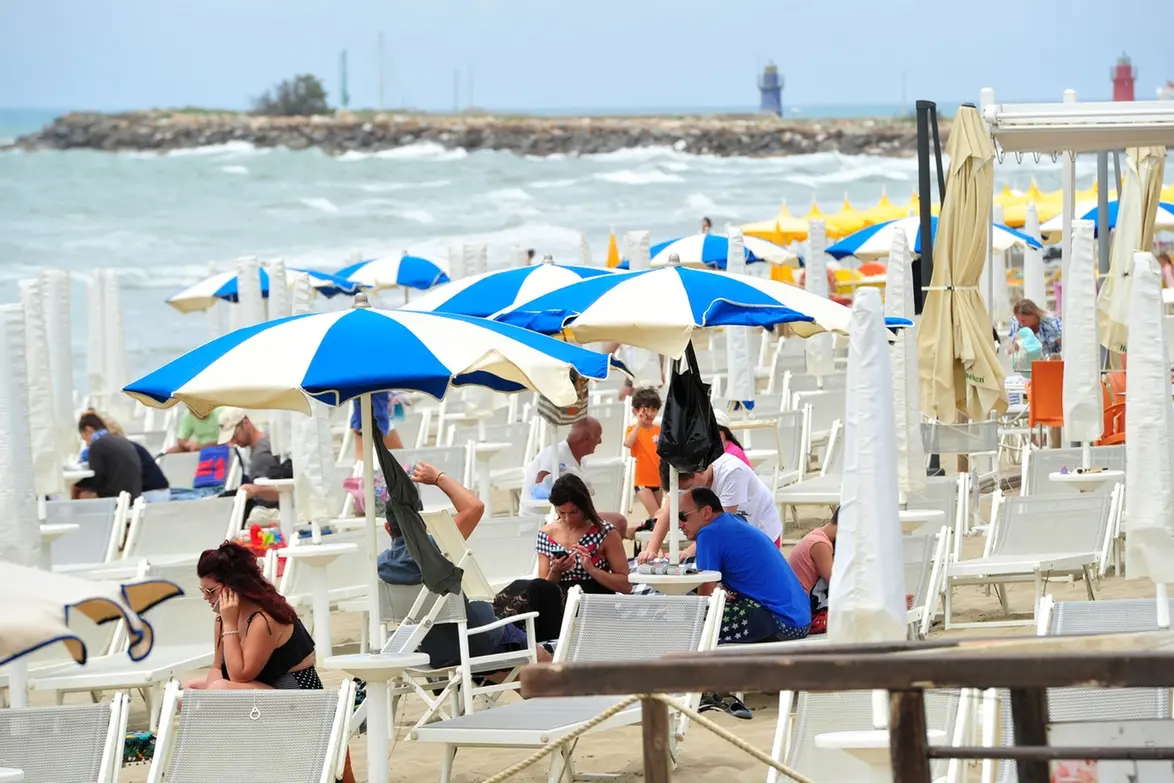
{"points": [[392, 440], [229, 685], [648, 498], [618, 521], [358, 445]]}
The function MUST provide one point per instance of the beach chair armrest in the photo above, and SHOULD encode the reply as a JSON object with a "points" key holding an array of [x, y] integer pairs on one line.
{"points": [[502, 622]]}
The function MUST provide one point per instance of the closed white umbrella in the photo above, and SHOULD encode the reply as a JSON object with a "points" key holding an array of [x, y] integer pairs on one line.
{"points": [[1135, 211], [114, 335], [279, 306], [20, 531], [47, 455], [906, 407], [1083, 411], [740, 378], [1033, 261], [820, 349], [1000, 305], [866, 597], [54, 287], [1149, 438], [959, 367]]}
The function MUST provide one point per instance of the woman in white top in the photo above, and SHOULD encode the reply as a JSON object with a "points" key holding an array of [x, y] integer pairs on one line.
{"points": [[741, 492]]}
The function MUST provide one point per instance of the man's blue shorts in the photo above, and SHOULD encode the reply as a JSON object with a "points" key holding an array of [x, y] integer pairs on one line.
{"points": [[379, 405]]}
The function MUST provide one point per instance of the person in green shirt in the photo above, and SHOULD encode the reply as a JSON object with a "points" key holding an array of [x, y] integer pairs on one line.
{"points": [[196, 432]]}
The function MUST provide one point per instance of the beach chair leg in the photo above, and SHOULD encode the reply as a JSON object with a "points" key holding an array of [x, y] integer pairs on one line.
{"points": [[59, 698], [153, 696], [1088, 584], [450, 754], [560, 766]]}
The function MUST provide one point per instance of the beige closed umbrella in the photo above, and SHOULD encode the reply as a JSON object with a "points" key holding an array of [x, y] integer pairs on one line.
{"points": [[1137, 212], [959, 366]]}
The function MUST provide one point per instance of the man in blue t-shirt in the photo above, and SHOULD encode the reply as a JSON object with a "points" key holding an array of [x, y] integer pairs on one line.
{"points": [[766, 601]]}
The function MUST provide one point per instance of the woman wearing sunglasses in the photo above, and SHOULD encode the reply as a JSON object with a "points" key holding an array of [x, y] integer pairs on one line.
{"points": [[260, 642]]}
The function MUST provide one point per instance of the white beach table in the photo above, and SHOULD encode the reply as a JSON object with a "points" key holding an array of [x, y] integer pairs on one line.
{"points": [[76, 474], [316, 557], [677, 584], [49, 534], [484, 453], [287, 514], [377, 671], [915, 517], [870, 747], [1088, 482], [9, 775]]}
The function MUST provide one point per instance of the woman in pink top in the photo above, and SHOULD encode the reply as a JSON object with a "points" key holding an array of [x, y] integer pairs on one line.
{"points": [[730, 444], [811, 560]]}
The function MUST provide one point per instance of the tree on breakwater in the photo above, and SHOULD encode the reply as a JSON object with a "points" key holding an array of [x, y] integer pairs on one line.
{"points": [[300, 96]]}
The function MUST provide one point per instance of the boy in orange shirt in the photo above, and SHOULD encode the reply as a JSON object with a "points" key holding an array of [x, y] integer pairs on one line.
{"points": [[641, 440]]}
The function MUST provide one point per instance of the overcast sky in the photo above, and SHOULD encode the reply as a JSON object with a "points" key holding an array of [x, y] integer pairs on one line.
{"points": [[547, 54]]}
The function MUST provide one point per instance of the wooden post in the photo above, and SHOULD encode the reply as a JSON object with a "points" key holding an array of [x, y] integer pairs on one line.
{"points": [[908, 745], [656, 741], [1029, 713]]}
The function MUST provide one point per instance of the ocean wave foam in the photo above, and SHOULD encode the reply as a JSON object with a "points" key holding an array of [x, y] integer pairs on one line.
{"points": [[554, 183], [634, 177], [320, 204], [420, 150], [235, 169], [228, 148], [392, 187], [508, 196]]}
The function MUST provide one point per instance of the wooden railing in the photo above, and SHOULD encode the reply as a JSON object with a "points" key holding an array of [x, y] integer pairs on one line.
{"points": [[1025, 666]]}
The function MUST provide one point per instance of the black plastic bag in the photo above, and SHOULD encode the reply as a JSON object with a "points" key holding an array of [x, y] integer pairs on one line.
{"points": [[689, 438]]}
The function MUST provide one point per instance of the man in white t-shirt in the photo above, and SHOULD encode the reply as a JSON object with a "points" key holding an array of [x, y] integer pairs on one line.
{"points": [[740, 490], [585, 435]]}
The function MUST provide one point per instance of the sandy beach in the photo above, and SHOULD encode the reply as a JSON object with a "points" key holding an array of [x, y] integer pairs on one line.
{"points": [[705, 758]]}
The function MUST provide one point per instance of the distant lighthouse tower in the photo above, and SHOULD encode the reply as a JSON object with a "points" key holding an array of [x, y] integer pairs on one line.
{"points": [[771, 87], [1123, 75]]}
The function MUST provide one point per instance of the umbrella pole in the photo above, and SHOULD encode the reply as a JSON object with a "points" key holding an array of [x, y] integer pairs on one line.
{"points": [[674, 520], [373, 624]]}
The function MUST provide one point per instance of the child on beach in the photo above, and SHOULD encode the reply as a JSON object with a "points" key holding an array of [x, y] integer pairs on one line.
{"points": [[641, 440]]}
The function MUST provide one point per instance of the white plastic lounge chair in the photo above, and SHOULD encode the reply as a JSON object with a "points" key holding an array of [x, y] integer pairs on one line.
{"points": [[926, 557], [180, 468], [822, 490], [827, 407], [504, 547], [1036, 538], [70, 744], [453, 460], [102, 525], [1039, 463], [180, 531], [977, 439], [184, 637], [595, 628], [259, 736], [820, 713]]}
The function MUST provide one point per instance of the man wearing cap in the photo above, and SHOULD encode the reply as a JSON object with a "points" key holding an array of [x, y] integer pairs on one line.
{"points": [[236, 429]]}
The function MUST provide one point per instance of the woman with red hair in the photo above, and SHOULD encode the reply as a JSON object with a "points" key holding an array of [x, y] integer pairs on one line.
{"points": [[260, 642]]}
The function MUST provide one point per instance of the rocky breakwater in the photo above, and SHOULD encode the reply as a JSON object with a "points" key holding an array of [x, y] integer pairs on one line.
{"points": [[724, 135]]}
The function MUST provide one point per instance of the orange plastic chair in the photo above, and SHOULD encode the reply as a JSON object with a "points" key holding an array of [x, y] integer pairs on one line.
{"points": [[1114, 431], [872, 268], [783, 274], [1046, 395]]}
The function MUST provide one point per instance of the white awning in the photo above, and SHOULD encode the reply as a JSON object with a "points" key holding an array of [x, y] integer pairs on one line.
{"points": [[1080, 127]]}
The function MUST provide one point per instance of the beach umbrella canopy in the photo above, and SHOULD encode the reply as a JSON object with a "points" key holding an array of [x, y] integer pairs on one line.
{"points": [[224, 287], [1163, 219], [847, 221], [866, 598], [781, 229], [1141, 180], [658, 309], [37, 605], [713, 250], [1084, 418], [885, 210], [329, 357], [485, 294], [876, 241], [1149, 433], [959, 367], [391, 271]]}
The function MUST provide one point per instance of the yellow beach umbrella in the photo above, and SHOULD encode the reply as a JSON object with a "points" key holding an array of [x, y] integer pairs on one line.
{"points": [[1168, 192], [1008, 198], [613, 251], [782, 229], [847, 221], [885, 210]]}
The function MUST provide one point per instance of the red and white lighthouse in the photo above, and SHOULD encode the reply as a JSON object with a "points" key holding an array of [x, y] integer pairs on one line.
{"points": [[1123, 75]]}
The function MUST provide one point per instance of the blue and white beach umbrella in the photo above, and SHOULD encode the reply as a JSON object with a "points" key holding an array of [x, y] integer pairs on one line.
{"points": [[391, 271], [1163, 222], [658, 309], [485, 294], [223, 287], [713, 249], [337, 356], [876, 241]]}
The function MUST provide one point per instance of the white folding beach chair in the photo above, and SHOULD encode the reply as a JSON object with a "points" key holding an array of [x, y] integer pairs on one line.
{"points": [[1038, 464], [66, 744], [977, 440], [504, 547], [453, 460], [822, 713], [181, 530], [274, 736], [101, 527], [827, 408], [1034, 539], [180, 468], [596, 628]]}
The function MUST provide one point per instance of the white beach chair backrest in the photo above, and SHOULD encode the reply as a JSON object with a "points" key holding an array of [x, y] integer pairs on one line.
{"points": [[918, 563], [833, 456], [504, 547], [1042, 462], [452, 544], [99, 532], [181, 622], [1038, 525], [182, 528], [610, 628], [70, 742], [606, 484], [793, 440], [453, 460], [516, 435], [180, 469]]}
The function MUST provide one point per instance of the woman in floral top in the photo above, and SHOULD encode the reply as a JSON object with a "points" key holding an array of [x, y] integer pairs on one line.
{"points": [[580, 548]]}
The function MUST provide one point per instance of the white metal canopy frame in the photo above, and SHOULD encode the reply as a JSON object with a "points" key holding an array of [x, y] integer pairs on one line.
{"points": [[1080, 127]]}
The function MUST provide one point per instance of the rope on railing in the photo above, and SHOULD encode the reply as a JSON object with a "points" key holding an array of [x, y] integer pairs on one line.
{"points": [[627, 702]]}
